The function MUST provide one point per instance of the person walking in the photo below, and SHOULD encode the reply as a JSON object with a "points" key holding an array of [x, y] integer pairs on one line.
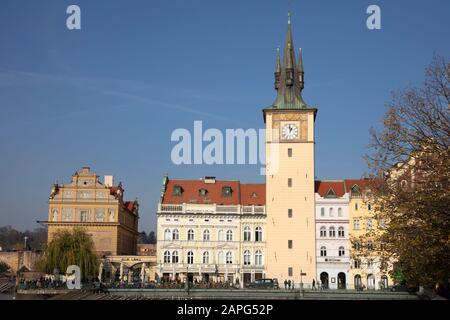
{"points": [[285, 284], [314, 285], [289, 284], [293, 285]]}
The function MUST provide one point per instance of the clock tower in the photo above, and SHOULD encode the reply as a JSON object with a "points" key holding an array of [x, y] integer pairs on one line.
{"points": [[290, 203]]}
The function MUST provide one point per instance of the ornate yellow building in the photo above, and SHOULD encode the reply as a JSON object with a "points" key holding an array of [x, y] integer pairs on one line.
{"points": [[365, 269], [97, 207]]}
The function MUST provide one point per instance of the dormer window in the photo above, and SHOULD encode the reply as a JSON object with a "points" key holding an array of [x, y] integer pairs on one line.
{"points": [[331, 194], [226, 191], [254, 195], [203, 192], [356, 191], [177, 191]]}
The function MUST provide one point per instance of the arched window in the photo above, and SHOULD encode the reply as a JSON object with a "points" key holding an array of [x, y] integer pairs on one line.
{"points": [[322, 212], [323, 232], [332, 232], [370, 245], [166, 257], [190, 234], [331, 212], [247, 233], [357, 281], [206, 235], [323, 251], [369, 206], [221, 235], [258, 234], [384, 282], [369, 263], [175, 257], [220, 257], [341, 251], [167, 234], [190, 257], [341, 232], [175, 235], [357, 245], [382, 245], [258, 258], [246, 258], [206, 257], [229, 235], [339, 212], [229, 257]]}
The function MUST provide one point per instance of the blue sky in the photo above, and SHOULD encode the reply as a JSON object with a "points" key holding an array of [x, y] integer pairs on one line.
{"points": [[109, 96]]}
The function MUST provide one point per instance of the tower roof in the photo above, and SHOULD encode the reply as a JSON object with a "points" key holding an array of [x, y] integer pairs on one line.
{"points": [[289, 76]]}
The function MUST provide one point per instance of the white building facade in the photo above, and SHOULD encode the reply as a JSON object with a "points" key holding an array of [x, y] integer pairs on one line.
{"points": [[211, 231], [332, 235]]}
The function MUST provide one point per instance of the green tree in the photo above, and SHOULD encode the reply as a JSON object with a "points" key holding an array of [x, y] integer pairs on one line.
{"points": [[70, 248], [410, 171], [152, 237], [4, 267]]}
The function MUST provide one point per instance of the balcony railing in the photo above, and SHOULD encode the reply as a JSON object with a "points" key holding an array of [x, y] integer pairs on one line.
{"points": [[211, 209]]}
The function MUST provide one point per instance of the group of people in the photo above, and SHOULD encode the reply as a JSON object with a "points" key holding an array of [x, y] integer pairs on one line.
{"points": [[289, 284], [41, 283]]}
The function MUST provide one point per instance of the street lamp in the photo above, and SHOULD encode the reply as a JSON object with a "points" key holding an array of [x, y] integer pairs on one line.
{"points": [[25, 238]]}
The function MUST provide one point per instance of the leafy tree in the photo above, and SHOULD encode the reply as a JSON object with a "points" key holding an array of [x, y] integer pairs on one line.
{"points": [[12, 239], [142, 238], [410, 173], [4, 267], [70, 248], [152, 237]]}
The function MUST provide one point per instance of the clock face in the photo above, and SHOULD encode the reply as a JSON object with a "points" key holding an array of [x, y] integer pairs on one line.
{"points": [[289, 131]]}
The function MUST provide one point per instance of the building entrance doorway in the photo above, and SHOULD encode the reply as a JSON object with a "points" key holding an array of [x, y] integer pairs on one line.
{"points": [[324, 280], [341, 280], [370, 282]]}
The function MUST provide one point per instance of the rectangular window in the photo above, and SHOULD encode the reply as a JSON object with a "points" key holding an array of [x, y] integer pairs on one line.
{"points": [[356, 224], [290, 152], [290, 272], [356, 207], [289, 213], [290, 182], [290, 244], [369, 224]]}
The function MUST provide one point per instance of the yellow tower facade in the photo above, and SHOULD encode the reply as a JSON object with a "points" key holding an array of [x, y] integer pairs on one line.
{"points": [[290, 200]]}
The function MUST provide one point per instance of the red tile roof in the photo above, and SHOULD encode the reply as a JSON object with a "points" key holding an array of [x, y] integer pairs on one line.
{"points": [[243, 193], [323, 187], [253, 194], [362, 183], [130, 205], [240, 193]]}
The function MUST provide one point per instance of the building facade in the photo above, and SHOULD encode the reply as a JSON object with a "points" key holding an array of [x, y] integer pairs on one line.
{"points": [[97, 207], [332, 234], [365, 269], [211, 230]]}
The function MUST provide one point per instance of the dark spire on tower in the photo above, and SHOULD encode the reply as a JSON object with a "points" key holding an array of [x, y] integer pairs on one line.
{"points": [[289, 76], [301, 71], [277, 70]]}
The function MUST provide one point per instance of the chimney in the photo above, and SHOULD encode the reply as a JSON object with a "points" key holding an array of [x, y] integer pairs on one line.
{"points": [[109, 181], [209, 180]]}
